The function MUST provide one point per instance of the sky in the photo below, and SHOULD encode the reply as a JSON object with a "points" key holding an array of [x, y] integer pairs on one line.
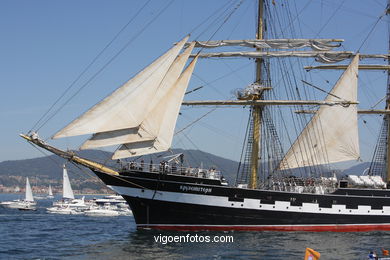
{"points": [[46, 45]]}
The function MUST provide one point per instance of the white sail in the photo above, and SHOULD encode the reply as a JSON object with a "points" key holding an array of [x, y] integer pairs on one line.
{"points": [[29, 194], [332, 134], [67, 192], [116, 137], [162, 120], [121, 110], [143, 132], [50, 191]]}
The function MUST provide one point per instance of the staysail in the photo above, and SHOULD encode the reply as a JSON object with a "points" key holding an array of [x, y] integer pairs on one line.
{"points": [[332, 134], [161, 120], [141, 115], [29, 194], [143, 132], [67, 192], [121, 110]]}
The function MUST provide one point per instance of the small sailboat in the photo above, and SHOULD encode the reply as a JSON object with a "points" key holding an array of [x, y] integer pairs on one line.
{"points": [[68, 200], [50, 193], [28, 203]]}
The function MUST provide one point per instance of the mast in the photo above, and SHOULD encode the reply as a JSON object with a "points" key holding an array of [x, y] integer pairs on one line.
{"points": [[257, 110], [387, 107]]}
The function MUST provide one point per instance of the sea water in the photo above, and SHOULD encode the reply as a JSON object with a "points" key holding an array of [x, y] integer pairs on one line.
{"points": [[39, 235]]}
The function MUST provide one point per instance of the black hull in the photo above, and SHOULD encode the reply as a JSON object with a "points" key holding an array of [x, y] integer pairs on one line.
{"points": [[168, 202]]}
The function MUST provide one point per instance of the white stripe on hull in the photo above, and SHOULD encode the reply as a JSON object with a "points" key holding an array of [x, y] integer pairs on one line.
{"points": [[253, 204]]}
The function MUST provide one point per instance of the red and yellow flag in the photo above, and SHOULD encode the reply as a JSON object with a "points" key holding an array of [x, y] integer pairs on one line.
{"points": [[310, 254]]}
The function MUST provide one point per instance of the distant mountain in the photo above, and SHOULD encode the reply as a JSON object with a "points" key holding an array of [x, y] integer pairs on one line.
{"points": [[50, 166]]}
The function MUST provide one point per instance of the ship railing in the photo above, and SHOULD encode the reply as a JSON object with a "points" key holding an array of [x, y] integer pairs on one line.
{"points": [[316, 186], [175, 169]]}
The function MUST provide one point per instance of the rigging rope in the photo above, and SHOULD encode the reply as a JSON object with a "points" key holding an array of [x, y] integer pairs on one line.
{"points": [[90, 64], [208, 18], [57, 163], [107, 63], [289, 77], [115, 56], [193, 122], [208, 157], [372, 29]]}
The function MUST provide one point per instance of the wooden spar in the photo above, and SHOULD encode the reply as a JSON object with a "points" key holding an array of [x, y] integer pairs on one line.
{"points": [[363, 112], [69, 155], [257, 110], [343, 67], [387, 174], [265, 102]]}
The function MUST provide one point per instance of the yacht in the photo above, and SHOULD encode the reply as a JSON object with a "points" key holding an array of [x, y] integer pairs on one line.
{"points": [[28, 203], [68, 199], [65, 210], [107, 210]]}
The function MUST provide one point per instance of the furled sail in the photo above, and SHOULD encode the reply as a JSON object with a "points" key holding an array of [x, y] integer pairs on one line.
{"points": [[29, 194], [332, 134], [67, 192], [142, 132], [161, 120], [320, 56], [121, 110], [315, 44]]}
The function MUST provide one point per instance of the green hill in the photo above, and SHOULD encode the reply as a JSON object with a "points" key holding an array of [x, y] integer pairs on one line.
{"points": [[50, 167]]}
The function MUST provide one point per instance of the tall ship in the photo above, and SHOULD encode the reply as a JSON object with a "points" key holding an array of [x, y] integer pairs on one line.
{"points": [[277, 188]]}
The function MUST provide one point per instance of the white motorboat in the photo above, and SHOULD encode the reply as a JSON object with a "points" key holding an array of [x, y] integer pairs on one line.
{"points": [[116, 200], [9, 204], [63, 210], [125, 211], [102, 211]]}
